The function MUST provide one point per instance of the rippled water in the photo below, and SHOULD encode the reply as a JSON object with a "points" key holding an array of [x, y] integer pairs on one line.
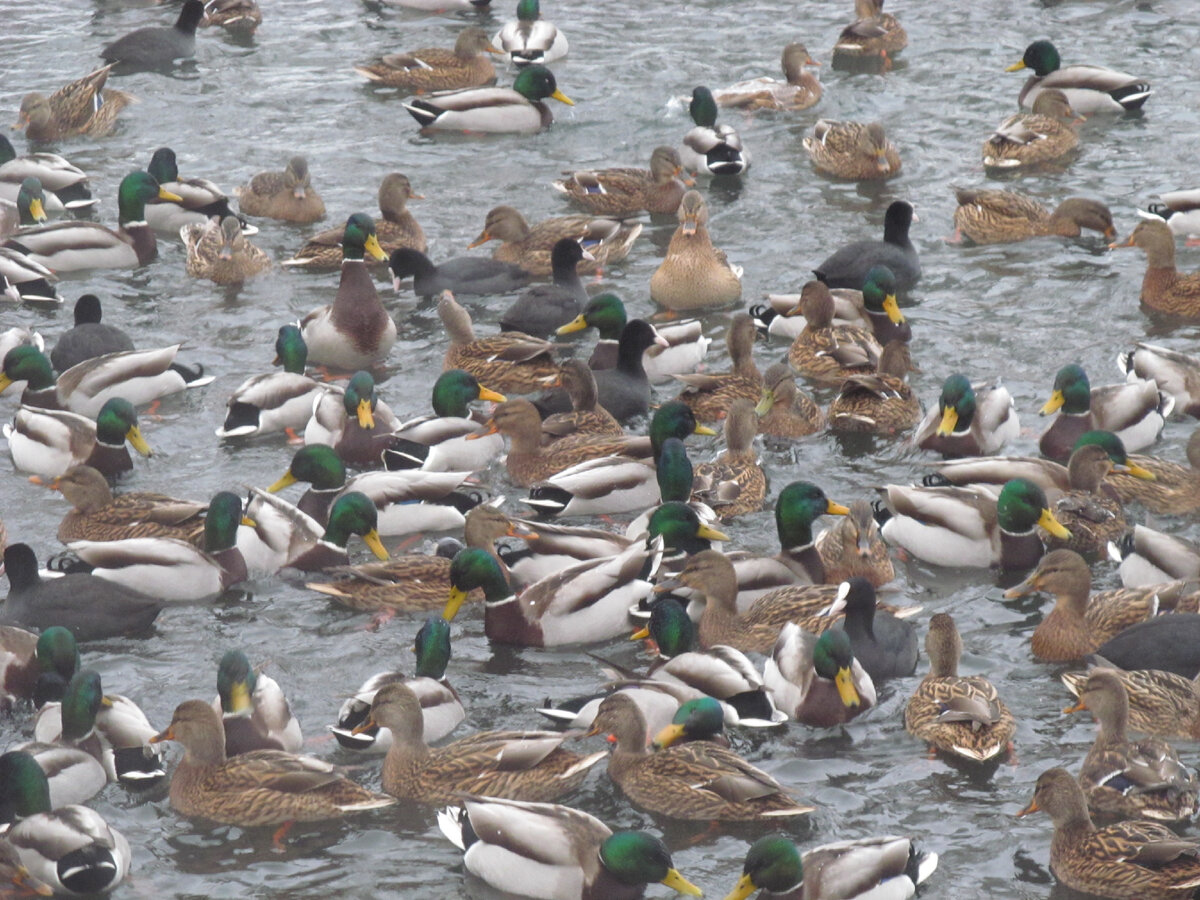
{"points": [[1019, 311]]}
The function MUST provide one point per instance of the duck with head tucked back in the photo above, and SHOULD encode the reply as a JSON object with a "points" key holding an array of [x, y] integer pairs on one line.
{"points": [[1036, 138], [852, 150]]}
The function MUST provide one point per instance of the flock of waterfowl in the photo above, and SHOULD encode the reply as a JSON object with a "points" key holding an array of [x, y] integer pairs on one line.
{"points": [[741, 640]]}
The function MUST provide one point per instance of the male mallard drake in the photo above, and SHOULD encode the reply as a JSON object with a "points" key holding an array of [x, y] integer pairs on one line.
{"points": [[709, 395], [439, 442], [827, 352], [81, 107], [969, 420], [870, 42], [530, 247], [530, 39], [709, 148], [266, 787], [254, 712], [462, 274], [1175, 373], [220, 252], [1134, 412], [492, 109], [97, 515], [238, 17], [75, 245], [1089, 89], [880, 402], [276, 401], [576, 856], [783, 409], [355, 331], [48, 442], [800, 89], [853, 546], [1149, 557], [1159, 703], [889, 866], [999, 217], [817, 680], [23, 280], [850, 265], [509, 361], [70, 848], [694, 274], [1164, 287], [1130, 779], [695, 780], [354, 422], [1092, 517], [280, 532], [852, 150], [1179, 209], [734, 483], [513, 765], [1159, 485], [65, 184], [626, 191], [200, 199], [352, 513], [89, 338], [1133, 860], [970, 526], [587, 416], [1024, 140], [287, 195], [957, 714], [155, 47], [435, 68], [543, 308], [20, 665]]}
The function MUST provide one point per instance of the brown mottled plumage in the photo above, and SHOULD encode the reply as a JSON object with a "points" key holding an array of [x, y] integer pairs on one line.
{"points": [[734, 483], [1160, 703], [1174, 490], [72, 109], [694, 274], [607, 240], [852, 547], [801, 90], [587, 417], [99, 516], [1093, 517], [627, 192], [1027, 139], [871, 40], [287, 195], [709, 395], [435, 68], [508, 362], [1164, 287], [783, 409], [220, 252], [998, 217], [880, 402], [829, 352], [852, 150]]}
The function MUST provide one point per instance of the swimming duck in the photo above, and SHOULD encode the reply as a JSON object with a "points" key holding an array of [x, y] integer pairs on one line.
{"points": [[880, 402], [816, 680], [1134, 412], [463, 274], [1024, 140], [81, 107], [849, 266], [709, 395], [853, 546], [709, 148], [624, 389], [276, 401], [1149, 557], [89, 338], [960, 715], [784, 410], [48, 442], [354, 422], [1159, 703], [852, 150], [694, 274], [491, 109], [530, 39], [627, 191], [238, 17], [200, 199], [220, 252], [734, 483], [587, 416], [24, 280], [825, 352], [97, 515], [1089, 89], [969, 420], [531, 247], [280, 531], [873, 309], [287, 195], [1179, 209], [999, 217], [1159, 485], [65, 184], [157, 47], [800, 89], [509, 361], [1175, 373], [352, 513], [438, 442], [542, 308], [870, 42], [1092, 517], [355, 331], [254, 712], [1164, 287], [435, 68], [19, 665]]}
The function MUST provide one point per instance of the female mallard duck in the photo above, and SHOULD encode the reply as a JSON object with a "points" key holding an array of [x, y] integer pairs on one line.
{"points": [[960, 715], [695, 780], [587, 416], [200, 199], [287, 195], [1092, 517], [870, 42], [396, 229], [435, 68], [439, 442], [97, 515], [970, 526], [238, 17], [530, 247], [354, 422], [441, 709], [880, 402], [268, 787], [276, 401], [71, 246], [491, 109], [624, 390], [709, 395], [1024, 140], [1164, 287], [513, 765], [694, 274], [1130, 779], [1081, 621], [800, 89], [220, 252], [709, 148], [826, 352], [816, 680], [577, 856], [1159, 703], [1149, 557], [1179, 209], [89, 338], [888, 866], [969, 420], [874, 309], [853, 546], [542, 308], [849, 266], [852, 150], [999, 217], [783, 409], [734, 483], [49, 442], [1134, 412], [1132, 860], [70, 848], [254, 712], [625, 191], [509, 361], [353, 513], [65, 184], [462, 274], [1089, 89], [1175, 373], [530, 39], [1159, 485], [81, 107]]}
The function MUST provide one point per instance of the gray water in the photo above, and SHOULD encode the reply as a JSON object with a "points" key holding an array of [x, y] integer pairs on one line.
{"points": [[1019, 311]]}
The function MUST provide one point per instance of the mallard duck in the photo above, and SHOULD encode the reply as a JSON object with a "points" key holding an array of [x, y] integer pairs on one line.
{"points": [[881, 402], [700, 719], [852, 150], [694, 274], [627, 192], [462, 274], [71, 246], [1150, 557], [280, 531], [57, 656], [70, 848], [200, 199], [31, 203], [354, 422], [825, 352], [800, 89], [435, 68], [74, 775], [238, 17], [268, 787], [220, 252], [157, 47], [1134, 412], [695, 780], [1025, 140], [581, 858], [97, 515], [709, 395], [1132, 860], [960, 715], [530, 39], [89, 338], [624, 389], [873, 309], [355, 331], [870, 42], [542, 308], [441, 709], [1179, 209], [35, 667], [352, 513], [492, 110], [1080, 621], [817, 680], [276, 401], [734, 483], [888, 866], [18, 336], [509, 361], [1164, 287], [530, 247], [65, 184], [254, 712], [999, 217], [1159, 703], [23, 280], [853, 546], [49, 442], [849, 266], [1130, 779], [783, 409], [1092, 517], [587, 416], [287, 195], [1175, 373], [709, 148], [969, 420], [1090, 89], [81, 107], [970, 526], [438, 442], [13, 871]]}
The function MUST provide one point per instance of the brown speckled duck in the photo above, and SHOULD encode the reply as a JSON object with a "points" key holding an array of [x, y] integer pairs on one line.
{"points": [[880, 402], [709, 395], [783, 409], [1043, 136], [1164, 287], [529, 246], [871, 41], [828, 352], [81, 107], [287, 195], [97, 515], [508, 362], [734, 483], [800, 90], [694, 274], [220, 252], [853, 150], [627, 192], [435, 68], [999, 217]]}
